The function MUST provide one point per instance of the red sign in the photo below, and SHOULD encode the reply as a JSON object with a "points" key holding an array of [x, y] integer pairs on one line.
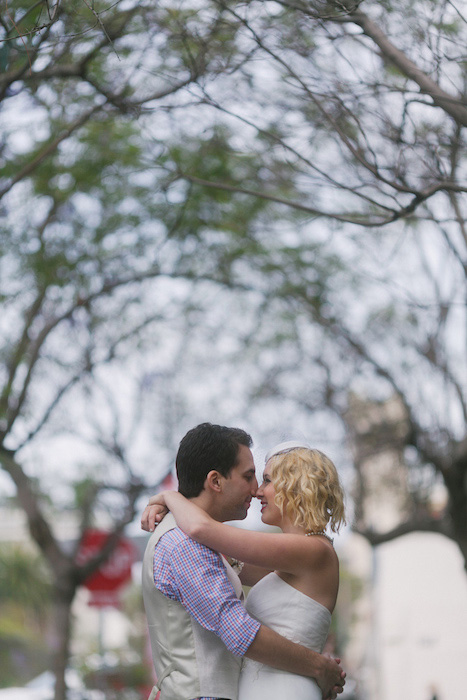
{"points": [[114, 573]]}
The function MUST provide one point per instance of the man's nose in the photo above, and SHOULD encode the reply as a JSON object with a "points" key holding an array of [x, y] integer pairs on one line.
{"points": [[254, 487]]}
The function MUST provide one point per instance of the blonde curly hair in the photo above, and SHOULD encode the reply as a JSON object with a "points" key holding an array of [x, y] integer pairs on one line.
{"points": [[307, 489]]}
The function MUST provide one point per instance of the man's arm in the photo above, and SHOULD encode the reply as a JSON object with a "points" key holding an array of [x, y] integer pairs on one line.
{"points": [[217, 608], [272, 649]]}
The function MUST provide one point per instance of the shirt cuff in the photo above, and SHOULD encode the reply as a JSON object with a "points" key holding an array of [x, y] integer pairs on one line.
{"points": [[239, 647]]}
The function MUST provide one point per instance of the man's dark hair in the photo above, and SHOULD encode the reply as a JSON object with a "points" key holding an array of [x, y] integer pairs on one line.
{"points": [[204, 448]]}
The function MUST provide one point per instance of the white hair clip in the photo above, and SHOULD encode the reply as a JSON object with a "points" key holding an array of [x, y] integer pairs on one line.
{"points": [[284, 447]]}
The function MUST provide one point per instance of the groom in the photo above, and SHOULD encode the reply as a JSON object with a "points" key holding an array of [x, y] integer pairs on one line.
{"points": [[198, 626]]}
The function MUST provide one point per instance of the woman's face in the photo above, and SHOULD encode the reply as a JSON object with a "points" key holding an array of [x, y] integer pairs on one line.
{"points": [[270, 513]]}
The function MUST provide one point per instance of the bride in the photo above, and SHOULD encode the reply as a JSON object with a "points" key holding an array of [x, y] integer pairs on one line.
{"points": [[301, 495]]}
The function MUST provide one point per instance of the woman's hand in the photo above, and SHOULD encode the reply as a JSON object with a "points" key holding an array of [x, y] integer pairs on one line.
{"points": [[190, 518], [153, 513]]}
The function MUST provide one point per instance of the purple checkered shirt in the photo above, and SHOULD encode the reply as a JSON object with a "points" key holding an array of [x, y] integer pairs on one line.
{"points": [[195, 576]]}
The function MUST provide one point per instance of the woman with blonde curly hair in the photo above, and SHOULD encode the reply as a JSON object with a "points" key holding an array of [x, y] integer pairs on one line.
{"points": [[295, 575]]}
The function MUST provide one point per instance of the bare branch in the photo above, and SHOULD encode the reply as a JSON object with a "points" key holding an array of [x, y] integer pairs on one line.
{"points": [[21, 347], [38, 525], [441, 526], [450, 104]]}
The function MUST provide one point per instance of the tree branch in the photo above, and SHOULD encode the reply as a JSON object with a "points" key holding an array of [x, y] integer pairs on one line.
{"points": [[50, 148], [39, 528], [418, 524], [450, 104]]}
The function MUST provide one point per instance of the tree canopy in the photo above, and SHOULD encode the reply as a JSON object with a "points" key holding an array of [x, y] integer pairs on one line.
{"points": [[305, 158]]}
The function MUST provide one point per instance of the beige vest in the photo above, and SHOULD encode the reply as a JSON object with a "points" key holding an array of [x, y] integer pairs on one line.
{"points": [[190, 662]]}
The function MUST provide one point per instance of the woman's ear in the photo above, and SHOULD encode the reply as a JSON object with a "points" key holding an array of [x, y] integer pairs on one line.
{"points": [[213, 481]]}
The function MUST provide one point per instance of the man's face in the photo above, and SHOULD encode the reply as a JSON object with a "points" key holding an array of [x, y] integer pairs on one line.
{"points": [[239, 487]]}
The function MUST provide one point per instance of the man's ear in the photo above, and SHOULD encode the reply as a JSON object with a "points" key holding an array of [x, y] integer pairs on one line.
{"points": [[213, 481]]}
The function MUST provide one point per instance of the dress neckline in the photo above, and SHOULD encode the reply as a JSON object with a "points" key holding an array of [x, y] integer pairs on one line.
{"points": [[301, 593]]}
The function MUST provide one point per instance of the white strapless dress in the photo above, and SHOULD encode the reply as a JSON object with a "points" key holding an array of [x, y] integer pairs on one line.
{"points": [[294, 615]]}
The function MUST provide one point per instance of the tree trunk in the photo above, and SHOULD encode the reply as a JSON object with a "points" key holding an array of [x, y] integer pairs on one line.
{"points": [[456, 483], [64, 594]]}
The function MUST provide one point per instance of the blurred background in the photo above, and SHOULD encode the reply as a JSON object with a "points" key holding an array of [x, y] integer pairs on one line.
{"points": [[251, 214]]}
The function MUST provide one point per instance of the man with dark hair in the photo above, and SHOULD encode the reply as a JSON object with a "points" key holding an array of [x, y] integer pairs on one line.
{"points": [[198, 626], [204, 448]]}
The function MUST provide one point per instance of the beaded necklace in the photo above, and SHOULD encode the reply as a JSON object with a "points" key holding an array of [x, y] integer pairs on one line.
{"points": [[322, 533]]}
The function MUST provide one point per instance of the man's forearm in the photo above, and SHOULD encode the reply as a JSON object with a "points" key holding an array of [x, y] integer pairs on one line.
{"points": [[271, 649]]}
